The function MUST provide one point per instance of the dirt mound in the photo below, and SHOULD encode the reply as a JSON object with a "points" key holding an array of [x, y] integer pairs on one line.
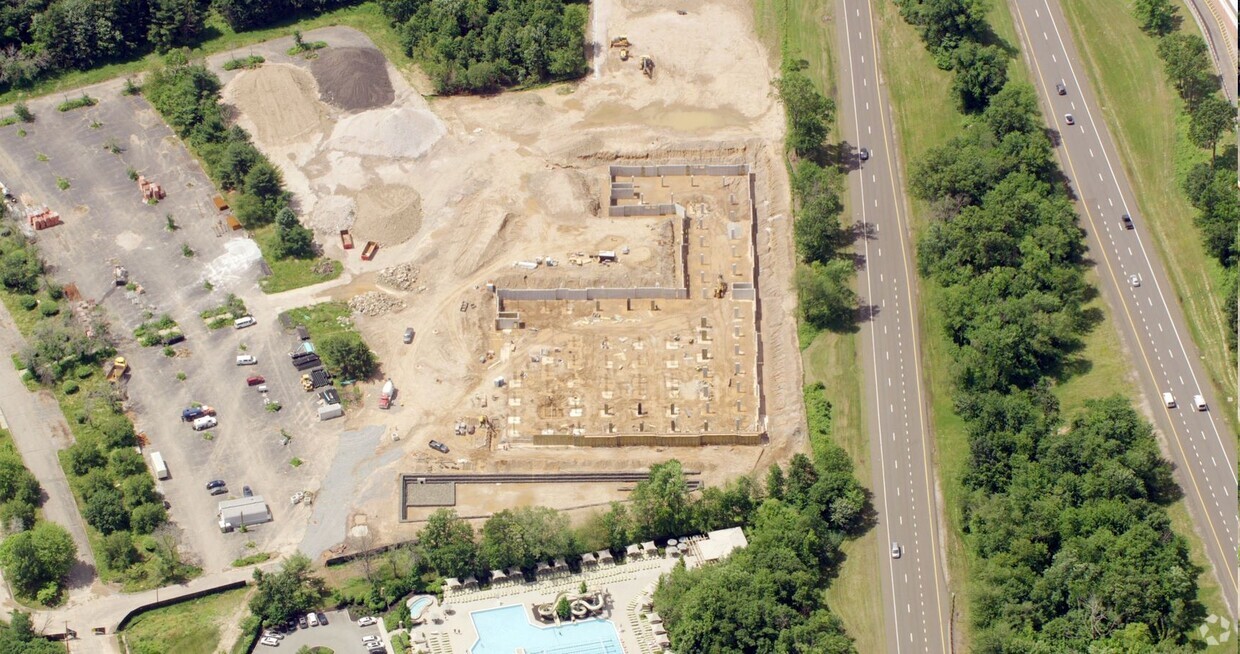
{"points": [[282, 101], [394, 133], [354, 79], [388, 214]]}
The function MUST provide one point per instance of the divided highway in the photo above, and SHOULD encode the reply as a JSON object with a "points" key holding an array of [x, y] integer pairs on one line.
{"points": [[915, 596], [1135, 285]]}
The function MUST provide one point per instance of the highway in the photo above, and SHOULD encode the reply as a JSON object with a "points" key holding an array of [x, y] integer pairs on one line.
{"points": [[1217, 21], [1134, 283], [915, 596]]}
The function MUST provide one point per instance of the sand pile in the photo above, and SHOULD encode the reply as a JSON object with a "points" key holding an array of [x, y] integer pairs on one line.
{"points": [[387, 213], [282, 100], [354, 79], [395, 133]]}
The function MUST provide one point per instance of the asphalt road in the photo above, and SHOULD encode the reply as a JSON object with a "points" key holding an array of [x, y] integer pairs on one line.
{"points": [[1217, 21], [915, 592], [1152, 325]]}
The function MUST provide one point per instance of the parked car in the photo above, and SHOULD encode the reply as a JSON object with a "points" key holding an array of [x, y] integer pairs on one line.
{"points": [[371, 638], [215, 483], [246, 359], [255, 380], [243, 322], [1060, 88], [269, 641], [219, 491], [312, 618], [322, 618], [301, 622], [1067, 118], [367, 621], [436, 445], [408, 335], [273, 634]]}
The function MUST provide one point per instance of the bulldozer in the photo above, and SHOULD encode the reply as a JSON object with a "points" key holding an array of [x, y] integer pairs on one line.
{"points": [[648, 66], [623, 43], [721, 289]]}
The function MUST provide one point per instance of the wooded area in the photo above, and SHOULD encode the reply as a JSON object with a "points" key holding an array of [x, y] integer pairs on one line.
{"points": [[481, 47]]}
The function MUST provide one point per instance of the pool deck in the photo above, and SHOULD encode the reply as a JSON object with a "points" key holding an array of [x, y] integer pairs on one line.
{"points": [[626, 584]]}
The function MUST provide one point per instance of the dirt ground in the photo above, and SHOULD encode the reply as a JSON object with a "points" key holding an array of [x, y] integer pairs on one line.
{"points": [[465, 187]]}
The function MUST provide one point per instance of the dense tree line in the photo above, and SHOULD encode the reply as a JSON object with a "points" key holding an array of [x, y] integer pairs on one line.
{"points": [[486, 46], [1067, 522], [38, 38], [288, 592], [825, 271], [955, 32], [34, 555], [187, 96]]}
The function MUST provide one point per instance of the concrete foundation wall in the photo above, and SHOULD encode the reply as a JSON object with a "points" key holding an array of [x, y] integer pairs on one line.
{"points": [[647, 440], [586, 294], [678, 170]]}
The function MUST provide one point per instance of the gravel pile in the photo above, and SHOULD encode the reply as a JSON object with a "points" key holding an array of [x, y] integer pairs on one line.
{"points": [[375, 303], [354, 79], [403, 276]]}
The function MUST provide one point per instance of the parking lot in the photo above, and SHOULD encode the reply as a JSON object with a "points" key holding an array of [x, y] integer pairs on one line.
{"points": [[105, 224], [340, 634]]}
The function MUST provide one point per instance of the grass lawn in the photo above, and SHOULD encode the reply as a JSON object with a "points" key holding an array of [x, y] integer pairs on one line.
{"points": [[288, 274], [1143, 112], [324, 319], [191, 627], [365, 17]]}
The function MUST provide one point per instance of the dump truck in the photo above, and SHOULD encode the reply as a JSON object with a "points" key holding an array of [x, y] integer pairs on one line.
{"points": [[369, 251], [346, 239], [118, 369], [385, 396]]}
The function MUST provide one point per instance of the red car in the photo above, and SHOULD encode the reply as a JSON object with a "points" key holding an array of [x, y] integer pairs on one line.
{"points": [[255, 380]]}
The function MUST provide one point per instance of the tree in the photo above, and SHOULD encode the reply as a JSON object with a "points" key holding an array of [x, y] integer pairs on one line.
{"points": [[1013, 109], [660, 503], [1155, 16], [981, 70], [1187, 64], [263, 181], [84, 456], [447, 545], [292, 239], [175, 23], [1210, 119], [526, 535], [106, 512], [124, 462], [817, 227], [118, 550], [826, 295], [809, 112], [348, 354], [20, 270], [146, 518], [16, 482], [286, 593], [38, 557], [563, 610], [944, 24]]}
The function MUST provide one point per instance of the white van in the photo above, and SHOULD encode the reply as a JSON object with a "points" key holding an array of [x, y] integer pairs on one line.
{"points": [[205, 422], [1169, 400], [313, 618], [243, 322], [1199, 403]]}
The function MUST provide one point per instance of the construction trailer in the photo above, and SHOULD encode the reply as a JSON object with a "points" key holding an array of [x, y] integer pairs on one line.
{"points": [[159, 466], [243, 512]]}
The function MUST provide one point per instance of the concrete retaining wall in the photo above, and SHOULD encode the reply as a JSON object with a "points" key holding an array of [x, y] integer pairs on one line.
{"points": [[587, 294], [678, 170]]}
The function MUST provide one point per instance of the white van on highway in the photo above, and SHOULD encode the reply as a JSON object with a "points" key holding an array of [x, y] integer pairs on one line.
{"points": [[1199, 403], [1169, 400]]}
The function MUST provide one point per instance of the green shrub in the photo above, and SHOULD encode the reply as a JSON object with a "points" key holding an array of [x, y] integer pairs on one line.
{"points": [[77, 103], [23, 112], [70, 387], [84, 372], [29, 302], [49, 308], [55, 291]]}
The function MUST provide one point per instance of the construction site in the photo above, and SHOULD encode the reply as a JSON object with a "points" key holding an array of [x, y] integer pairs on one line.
{"points": [[670, 364], [564, 279]]}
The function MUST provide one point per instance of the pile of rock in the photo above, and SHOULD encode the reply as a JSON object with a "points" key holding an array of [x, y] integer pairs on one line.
{"points": [[375, 303], [402, 276]]}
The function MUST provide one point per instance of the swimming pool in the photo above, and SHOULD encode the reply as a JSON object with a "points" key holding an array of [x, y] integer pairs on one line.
{"points": [[418, 605], [504, 630]]}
